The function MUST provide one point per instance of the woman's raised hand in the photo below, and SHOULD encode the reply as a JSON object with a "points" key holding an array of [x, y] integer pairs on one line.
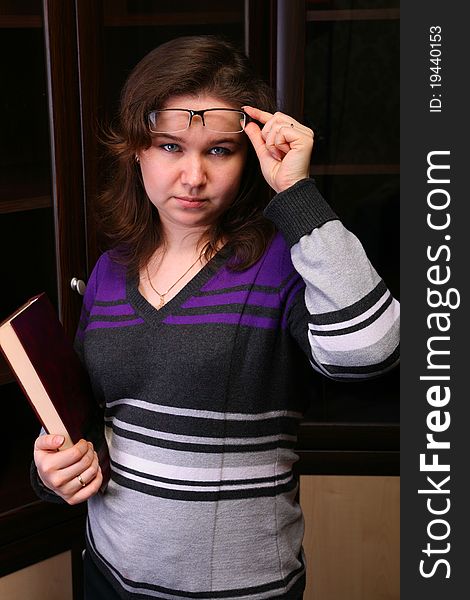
{"points": [[73, 474], [283, 146]]}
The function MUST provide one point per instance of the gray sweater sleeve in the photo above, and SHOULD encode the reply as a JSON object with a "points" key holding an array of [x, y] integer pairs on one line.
{"points": [[347, 319]]}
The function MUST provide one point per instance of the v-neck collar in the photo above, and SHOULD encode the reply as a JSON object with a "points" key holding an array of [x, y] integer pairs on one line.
{"points": [[155, 316]]}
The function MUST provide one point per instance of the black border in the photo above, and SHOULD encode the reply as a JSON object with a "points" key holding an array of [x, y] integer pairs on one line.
{"points": [[421, 133]]}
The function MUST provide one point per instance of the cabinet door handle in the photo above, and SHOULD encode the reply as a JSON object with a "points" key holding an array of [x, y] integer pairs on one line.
{"points": [[78, 285]]}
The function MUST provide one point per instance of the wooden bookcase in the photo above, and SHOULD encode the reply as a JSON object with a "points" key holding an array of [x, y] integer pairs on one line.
{"points": [[63, 63], [43, 245]]}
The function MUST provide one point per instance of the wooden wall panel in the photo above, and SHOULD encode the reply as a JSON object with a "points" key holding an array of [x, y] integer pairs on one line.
{"points": [[51, 579], [351, 537]]}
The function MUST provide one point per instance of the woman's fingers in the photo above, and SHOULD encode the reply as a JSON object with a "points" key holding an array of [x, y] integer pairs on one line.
{"points": [[280, 137], [74, 474], [90, 489], [275, 120], [64, 458], [81, 479], [257, 114], [62, 476], [89, 474], [279, 132], [256, 138], [263, 148], [283, 146]]}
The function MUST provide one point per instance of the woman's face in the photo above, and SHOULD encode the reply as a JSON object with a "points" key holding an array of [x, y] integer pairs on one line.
{"points": [[193, 176]]}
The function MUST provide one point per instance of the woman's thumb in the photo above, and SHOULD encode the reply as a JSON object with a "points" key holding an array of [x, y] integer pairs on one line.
{"points": [[49, 442]]}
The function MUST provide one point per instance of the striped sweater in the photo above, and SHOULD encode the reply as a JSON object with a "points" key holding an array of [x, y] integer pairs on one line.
{"points": [[203, 399]]}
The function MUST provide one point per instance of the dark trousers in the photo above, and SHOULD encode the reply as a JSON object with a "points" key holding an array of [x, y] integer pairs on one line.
{"points": [[96, 585]]}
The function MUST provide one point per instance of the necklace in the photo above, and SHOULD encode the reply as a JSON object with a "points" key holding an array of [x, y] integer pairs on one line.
{"points": [[162, 296]]}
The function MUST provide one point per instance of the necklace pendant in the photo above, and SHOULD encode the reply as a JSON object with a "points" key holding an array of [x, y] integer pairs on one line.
{"points": [[162, 296]]}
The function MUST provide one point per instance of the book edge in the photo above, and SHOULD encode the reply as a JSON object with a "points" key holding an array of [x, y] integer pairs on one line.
{"points": [[19, 310], [30, 382]]}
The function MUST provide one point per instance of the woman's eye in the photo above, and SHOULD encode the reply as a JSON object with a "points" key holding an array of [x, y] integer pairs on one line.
{"points": [[220, 151], [170, 147]]}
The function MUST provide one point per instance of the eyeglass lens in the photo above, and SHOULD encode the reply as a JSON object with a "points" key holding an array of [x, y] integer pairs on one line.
{"points": [[221, 121]]}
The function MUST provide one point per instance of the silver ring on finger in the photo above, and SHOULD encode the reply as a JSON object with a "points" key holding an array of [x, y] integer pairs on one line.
{"points": [[82, 483]]}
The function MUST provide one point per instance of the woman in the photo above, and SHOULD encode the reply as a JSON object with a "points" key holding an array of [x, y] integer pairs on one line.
{"points": [[196, 330]]}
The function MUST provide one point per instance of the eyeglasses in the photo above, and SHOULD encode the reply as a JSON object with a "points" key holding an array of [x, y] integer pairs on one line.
{"points": [[221, 120]]}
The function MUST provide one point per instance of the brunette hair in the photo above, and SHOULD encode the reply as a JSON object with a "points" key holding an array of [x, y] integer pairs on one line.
{"points": [[183, 66]]}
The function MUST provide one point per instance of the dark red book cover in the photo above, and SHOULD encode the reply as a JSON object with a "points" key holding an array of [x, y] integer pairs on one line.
{"points": [[64, 378]]}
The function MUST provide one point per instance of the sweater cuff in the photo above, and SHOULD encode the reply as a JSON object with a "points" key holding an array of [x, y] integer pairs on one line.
{"points": [[299, 210]]}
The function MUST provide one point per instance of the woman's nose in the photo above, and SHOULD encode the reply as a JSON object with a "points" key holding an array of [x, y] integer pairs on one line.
{"points": [[194, 172]]}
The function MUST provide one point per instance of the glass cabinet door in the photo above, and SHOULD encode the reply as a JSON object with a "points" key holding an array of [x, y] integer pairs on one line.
{"points": [[351, 101], [27, 239], [132, 28]]}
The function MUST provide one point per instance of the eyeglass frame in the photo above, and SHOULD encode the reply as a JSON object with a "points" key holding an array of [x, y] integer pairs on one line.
{"points": [[200, 113]]}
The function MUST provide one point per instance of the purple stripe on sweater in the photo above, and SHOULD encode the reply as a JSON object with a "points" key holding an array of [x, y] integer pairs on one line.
{"points": [[115, 311], [108, 324], [226, 318], [240, 297], [112, 278], [271, 277]]}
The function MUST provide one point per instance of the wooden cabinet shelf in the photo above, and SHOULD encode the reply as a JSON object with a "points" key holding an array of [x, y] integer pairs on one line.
{"points": [[352, 169], [26, 528], [365, 14], [171, 19], [22, 204], [119, 13], [23, 190], [20, 21], [349, 449]]}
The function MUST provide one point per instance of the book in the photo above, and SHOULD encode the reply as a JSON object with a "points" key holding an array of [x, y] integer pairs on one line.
{"points": [[52, 377]]}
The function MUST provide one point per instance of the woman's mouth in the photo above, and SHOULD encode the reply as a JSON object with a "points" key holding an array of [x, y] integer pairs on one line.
{"points": [[190, 201]]}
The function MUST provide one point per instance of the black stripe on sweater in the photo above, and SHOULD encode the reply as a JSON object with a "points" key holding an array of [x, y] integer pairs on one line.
{"points": [[224, 447], [358, 326], [366, 369], [221, 483], [352, 311], [214, 496], [202, 427]]}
